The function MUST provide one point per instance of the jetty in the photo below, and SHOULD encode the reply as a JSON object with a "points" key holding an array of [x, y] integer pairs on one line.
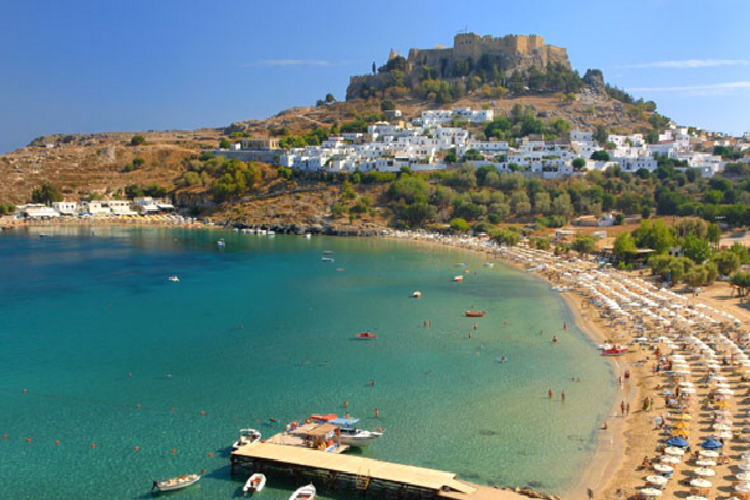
{"points": [[369, 476]]}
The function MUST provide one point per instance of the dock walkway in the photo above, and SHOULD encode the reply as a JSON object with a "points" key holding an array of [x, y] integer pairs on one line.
{"points": [[373, 476]]}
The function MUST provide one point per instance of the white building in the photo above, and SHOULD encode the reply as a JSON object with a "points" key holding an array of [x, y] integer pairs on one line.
{"points": [[37, 211], [69, 208]]}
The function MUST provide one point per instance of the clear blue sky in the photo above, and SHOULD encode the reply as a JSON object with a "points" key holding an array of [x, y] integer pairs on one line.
{"points": [[88, 66]]}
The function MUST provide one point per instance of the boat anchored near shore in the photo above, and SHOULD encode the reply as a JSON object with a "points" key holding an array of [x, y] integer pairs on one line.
{"points": [[255, 483], [304, 493], [247, 436]]}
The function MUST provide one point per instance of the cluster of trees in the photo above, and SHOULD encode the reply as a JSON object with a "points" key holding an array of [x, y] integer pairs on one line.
{"points": [[227, 179], [154, 190], [46, 194], [698, 260], [521, 122], [7, 208]]}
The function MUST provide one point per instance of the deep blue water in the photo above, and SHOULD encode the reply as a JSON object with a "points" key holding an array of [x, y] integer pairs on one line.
{"points": [[263, 330]]}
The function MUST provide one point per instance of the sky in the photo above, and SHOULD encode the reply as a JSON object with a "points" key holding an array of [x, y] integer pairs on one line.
{"points": [[79, 66]]}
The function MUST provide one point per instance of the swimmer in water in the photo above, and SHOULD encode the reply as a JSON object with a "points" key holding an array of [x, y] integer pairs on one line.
{"points": [[502, 359], [554, 339]]}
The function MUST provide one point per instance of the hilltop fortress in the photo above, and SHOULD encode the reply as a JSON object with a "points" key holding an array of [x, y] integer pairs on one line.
{"points": [[470, 53]]}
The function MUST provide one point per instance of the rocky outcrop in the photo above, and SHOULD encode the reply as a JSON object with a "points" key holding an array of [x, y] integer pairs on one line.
{"points": [[594, 78]]}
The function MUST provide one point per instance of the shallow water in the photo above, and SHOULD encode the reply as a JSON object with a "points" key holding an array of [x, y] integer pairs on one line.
{"points": [[263, 330]]}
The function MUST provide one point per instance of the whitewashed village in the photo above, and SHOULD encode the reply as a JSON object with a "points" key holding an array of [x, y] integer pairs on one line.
{"points": [[426, 143]]}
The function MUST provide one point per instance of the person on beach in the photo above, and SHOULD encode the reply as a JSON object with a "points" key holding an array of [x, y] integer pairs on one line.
{"points": [[562, 395], [565, 326], [622, 407], [627, 408], [605, 426]]}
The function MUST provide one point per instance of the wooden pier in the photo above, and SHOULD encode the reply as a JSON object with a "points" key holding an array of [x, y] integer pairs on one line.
{"points": [[330, 471], [369, 477]]}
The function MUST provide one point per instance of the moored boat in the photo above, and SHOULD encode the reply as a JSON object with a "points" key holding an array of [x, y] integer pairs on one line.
{"points": [[327, 259], [176, 483], [367, 335], [174, 279], [474, 314], [416, 294], [615, 350], [247, 436], [256, 483], [458, 279], [304, 493], [350, 435], [221, 243]]}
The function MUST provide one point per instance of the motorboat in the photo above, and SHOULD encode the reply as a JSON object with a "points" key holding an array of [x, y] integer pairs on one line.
{"points": [[305, 493], [489, 264], [350, 435], [308, 236], [271, 232], [247, 436], [416, 295], [176, 483], [458, 279], [256, 483], [367, 335], [615, 350], [221, 243], [474, 314], [327, 259], [174, 279]]}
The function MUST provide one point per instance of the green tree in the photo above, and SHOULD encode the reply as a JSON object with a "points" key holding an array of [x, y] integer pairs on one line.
{"points": [[460, 224], [542, 203], [584, 245], [655, 235], [579, 163], [624, 246], [519, 203], [46, 193], [600, 135], [696, 249], [330, 98], [741, 252], [225, 144], [727, 262], [600, 155], [137, 140]]}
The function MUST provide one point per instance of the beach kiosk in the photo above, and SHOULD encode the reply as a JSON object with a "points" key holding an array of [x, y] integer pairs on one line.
{"points": [[322, 437]]}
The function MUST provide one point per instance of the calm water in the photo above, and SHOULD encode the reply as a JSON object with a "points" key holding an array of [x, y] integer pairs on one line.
{"points": [[263, 330]]}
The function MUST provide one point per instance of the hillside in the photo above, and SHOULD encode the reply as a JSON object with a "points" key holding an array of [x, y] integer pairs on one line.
{"points": [[81, 164]]}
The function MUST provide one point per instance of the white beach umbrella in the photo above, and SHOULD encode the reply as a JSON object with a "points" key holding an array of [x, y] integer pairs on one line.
{"points": [[743, 476], [722, 427], [708, 454], [663, 468], [722, 385], [704, 471], [675, 452], [657, 480], [670, 459], [743, 487], [700, 483], [705, 463], [696, 497], [689, 390], [651, 492], [725, 392], [725, 434]]}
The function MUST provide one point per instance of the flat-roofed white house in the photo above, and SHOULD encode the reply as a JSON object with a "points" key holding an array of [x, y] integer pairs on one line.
{"points": [[38, 211], [94, 207], [120, 207], [68, 208]]}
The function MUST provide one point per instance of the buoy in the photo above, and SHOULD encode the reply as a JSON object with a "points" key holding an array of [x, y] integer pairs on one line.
{"points": [[171, 409], [130, 374], [174, 450], [24, 391], [5, 436], [210, 454], [28, 440], [137, 406], [203, 413], [93, 445], [137, 448], [57, 443]]}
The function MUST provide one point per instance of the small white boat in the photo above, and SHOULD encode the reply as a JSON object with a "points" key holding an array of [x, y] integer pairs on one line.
{"points": [[489, 264], [305, 493], [327, 259], [416, 294], [174, 279], [247, 436], [458, 279], [256, 482], [221, 243], [350, 435], [308, 236], [270, 232], [176, 483]]}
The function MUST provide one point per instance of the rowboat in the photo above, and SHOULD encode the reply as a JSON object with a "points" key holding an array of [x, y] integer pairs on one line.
{"points": [[247, 436], [367, 335], [174, 279], [176, 483], [474, 314], [256, 482], [305, 493], [327, 259]]}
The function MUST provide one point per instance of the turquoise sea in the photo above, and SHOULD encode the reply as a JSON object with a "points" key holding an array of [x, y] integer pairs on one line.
{"points": [[264, 330]]}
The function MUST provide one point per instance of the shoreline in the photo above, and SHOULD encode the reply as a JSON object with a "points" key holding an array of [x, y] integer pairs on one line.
{"points": [[609, 446]]}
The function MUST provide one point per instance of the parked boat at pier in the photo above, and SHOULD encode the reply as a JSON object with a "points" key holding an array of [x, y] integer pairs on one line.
{"points": [[255, 483], [350, 435], [247, 436], [474, 314], [305, 493]]}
